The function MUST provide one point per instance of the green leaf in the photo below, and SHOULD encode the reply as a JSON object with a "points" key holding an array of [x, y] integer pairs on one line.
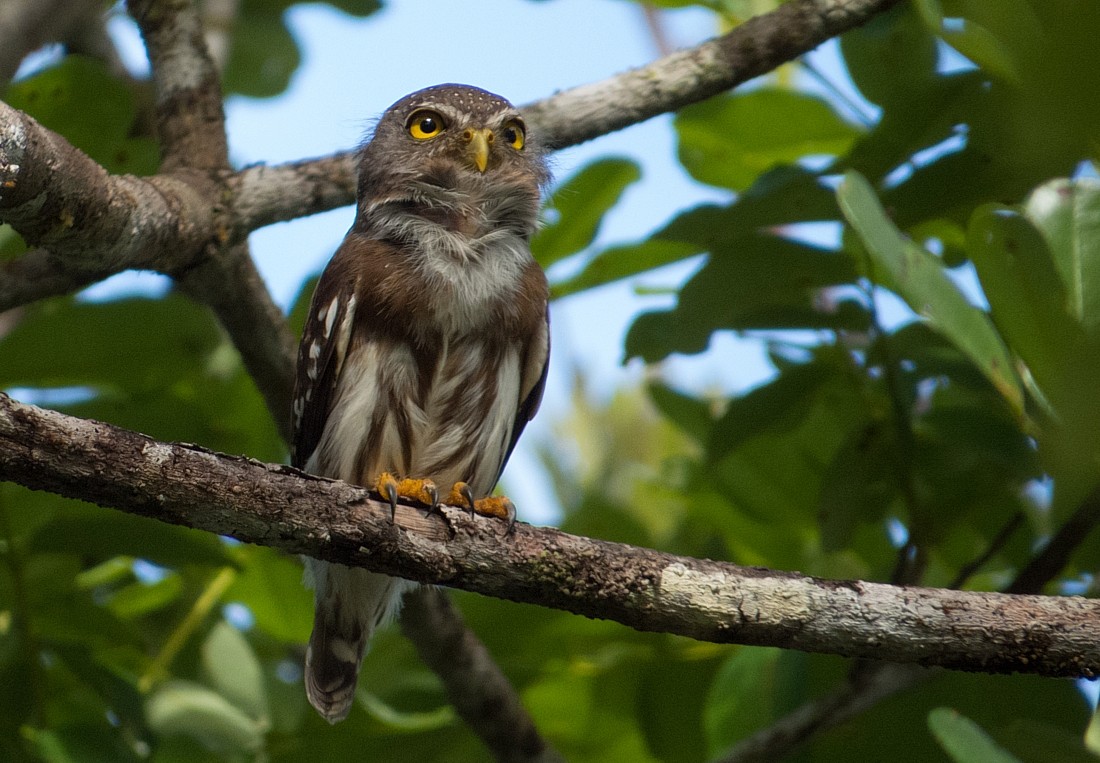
{"points": [[692, 415], [140, 598], [1067, 213], [858, 485], [671, 696], [1027, 298], [231, 667], [80, 99], [742, 697], [779, 405], [730, 141], [983, 48], [189, 709], [925, 286], [891, 56], [964, 740], [131, 344], [99, 534], [270, 585], [580, 204], [1092, 733], [618, 262]]}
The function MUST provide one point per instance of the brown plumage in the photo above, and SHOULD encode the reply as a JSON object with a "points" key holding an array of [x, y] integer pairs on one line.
{"points": [[425, 351]]}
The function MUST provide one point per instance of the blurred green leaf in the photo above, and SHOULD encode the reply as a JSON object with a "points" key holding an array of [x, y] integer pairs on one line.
{"points": [[891, 55], [579, 205], [79, 99], [1027, 298], [858, 485], [923, 283], [964, 740], [1067, 213], [752, 282], [742, 697], [263, 54], [729, 141], [270, 585], [189, 709], [99, 534], [140, 598], [231, 667]]}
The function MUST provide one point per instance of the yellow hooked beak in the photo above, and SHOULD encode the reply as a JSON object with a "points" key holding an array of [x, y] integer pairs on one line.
{"points": [[480, 141]]}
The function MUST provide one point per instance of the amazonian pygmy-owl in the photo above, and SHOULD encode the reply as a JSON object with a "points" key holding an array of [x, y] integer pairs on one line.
{"points": [[425, 351]]}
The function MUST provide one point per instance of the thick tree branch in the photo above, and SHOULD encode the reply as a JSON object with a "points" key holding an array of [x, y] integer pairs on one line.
{"points": [[644, 589], [92, 222]]}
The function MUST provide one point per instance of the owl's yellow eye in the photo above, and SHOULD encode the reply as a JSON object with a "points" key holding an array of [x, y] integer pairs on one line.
{"points": [[424, 124], [514, 134]]}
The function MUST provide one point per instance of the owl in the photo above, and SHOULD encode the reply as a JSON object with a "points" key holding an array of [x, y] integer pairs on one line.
{"points": [[425, 351]]}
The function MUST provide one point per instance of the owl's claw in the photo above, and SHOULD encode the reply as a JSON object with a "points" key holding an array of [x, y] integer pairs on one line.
{"points": [[386, 485], [461, 492], [419, 490], [497, 506]]}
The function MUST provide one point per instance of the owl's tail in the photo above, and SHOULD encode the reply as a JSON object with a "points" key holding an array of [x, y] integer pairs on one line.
{"points": [[350, 604]]}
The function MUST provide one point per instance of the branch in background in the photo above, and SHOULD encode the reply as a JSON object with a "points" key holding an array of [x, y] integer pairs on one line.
{"points": [[91, 222], [189, 113], [754, 48], [1054, 556], [191, 128], [219, 17], [475, 685], [836, 707], [589, 111], [644, 589], [265, 194]]}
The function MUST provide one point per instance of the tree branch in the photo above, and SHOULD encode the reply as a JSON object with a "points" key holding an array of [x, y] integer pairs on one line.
{"points": [[754, 48], [644, 589]]}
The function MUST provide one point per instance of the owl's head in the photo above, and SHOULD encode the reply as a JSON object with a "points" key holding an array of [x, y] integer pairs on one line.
{"points": [[455, 138]]}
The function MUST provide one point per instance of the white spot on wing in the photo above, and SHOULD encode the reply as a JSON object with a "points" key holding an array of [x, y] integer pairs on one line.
{"points": [[328, 315]]}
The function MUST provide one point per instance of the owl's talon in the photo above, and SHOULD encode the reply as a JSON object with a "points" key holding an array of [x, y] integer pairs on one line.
{"points": [[509, 514], [432, 493], [497, 506], [418, 490], [386, 485]]}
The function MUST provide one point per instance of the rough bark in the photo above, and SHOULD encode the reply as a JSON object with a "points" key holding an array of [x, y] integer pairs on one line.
{"points": [[644, 589]]}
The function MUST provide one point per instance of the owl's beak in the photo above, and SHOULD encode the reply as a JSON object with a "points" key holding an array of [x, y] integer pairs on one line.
{"points": [[480, 141]]}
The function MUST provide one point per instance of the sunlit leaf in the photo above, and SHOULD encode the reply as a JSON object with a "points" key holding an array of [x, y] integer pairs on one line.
{"points": [[579, 205], [729, 141], [923, 284], [1067, 212]]}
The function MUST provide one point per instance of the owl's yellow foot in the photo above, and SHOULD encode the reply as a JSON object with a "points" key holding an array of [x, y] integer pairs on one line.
{"points": [[498, 506], [419, 490]]}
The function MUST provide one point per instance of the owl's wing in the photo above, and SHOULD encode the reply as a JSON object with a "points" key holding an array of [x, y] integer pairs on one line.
{"points": [[321, 356], [536, 361]]}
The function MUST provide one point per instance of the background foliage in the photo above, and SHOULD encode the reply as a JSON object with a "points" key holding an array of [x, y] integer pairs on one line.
{"points": [[884, 447]]}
